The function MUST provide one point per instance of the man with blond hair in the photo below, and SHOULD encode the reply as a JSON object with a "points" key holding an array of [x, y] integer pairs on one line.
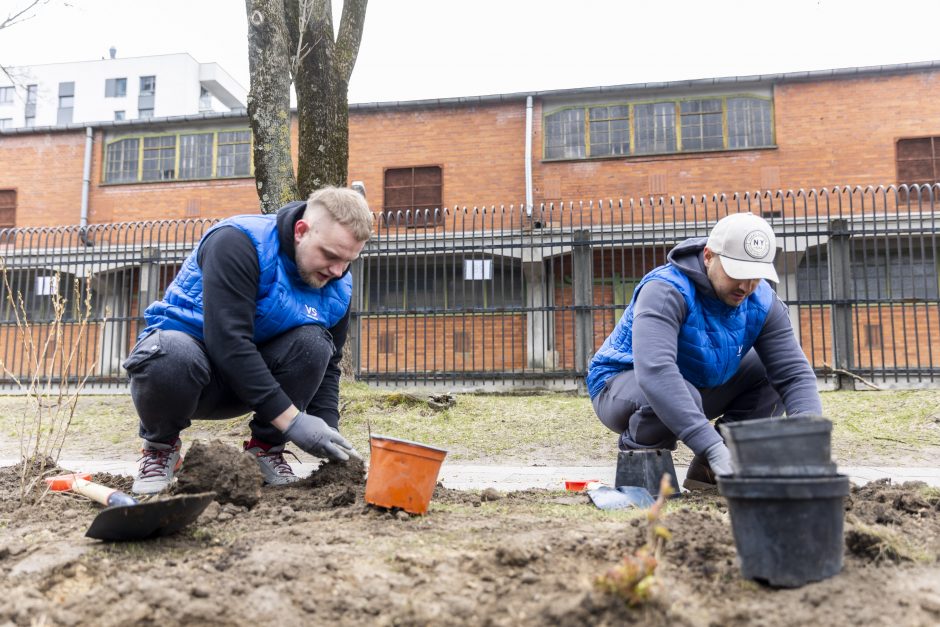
{"points": [[704, 337], [255, 320]]}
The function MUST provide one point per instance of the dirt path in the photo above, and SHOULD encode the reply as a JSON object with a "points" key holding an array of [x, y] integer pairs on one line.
{"points": [[314, 553]]}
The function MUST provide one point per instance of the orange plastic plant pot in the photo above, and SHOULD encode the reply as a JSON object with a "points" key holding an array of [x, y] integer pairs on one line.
{"points": [[402, 474]]}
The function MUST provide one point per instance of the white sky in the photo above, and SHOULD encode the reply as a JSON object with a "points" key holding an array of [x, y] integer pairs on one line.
{"points": [[416, 49]]}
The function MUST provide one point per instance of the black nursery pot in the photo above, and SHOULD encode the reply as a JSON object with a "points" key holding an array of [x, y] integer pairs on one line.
{"points": [[780, 447], [645, 468], [787, 531]]}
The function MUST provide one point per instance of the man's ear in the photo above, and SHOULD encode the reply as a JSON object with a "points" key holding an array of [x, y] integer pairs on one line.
{"points": [[300, 229], [707, 256]]}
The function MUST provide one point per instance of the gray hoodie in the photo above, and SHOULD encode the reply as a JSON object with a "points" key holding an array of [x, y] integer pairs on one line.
{"points": [[659, 312]]}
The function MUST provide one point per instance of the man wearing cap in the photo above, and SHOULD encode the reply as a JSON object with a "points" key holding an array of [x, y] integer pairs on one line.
{"points": [[703, 337]]}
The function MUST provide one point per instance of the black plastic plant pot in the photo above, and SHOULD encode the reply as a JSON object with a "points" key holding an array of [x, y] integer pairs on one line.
{"points": [[645, 468], [788, 531], [780, 447]]}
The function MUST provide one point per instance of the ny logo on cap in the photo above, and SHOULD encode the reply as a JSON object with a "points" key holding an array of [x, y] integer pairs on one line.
{"points": [[756, 244]]}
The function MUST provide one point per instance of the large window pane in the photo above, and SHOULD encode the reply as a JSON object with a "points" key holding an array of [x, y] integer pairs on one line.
{"points": [[121, 161], [196, 156], [610, 130], [749, 123], [564, 134], [234, 154], [159, 158], [701, 125], [655, 127]]}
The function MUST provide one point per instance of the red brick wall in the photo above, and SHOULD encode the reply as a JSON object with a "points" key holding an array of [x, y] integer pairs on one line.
{"points": [[481, 150], [46, 171], [492, 343], [827, 133]]}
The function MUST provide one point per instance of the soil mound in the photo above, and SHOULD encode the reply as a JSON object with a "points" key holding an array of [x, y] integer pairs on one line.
{"points": [[217, 467]]}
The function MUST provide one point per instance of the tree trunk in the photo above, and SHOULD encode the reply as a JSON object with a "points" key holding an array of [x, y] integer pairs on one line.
{"points": [[322, 84], [269, 103]]}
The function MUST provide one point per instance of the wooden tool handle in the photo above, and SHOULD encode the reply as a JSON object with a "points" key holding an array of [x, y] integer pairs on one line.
{"points": [[101, 493]]}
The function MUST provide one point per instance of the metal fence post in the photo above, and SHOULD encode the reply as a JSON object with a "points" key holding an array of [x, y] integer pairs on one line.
{"points": [[840, 278], [353, 341], [582, 276]]}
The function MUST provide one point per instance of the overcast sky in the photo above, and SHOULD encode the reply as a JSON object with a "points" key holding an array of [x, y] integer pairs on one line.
{"points": [[416, 49]]}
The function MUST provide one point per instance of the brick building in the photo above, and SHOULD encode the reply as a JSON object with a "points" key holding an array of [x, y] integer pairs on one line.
{"points": [[653, 143]]}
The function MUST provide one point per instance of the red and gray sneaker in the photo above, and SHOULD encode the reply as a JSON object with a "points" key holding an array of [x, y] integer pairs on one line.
{"points": [[158, 466], [271, 460]]}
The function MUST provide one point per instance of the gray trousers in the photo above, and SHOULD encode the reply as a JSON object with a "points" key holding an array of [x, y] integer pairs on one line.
{"points": [[622, 407], [173, 382]]}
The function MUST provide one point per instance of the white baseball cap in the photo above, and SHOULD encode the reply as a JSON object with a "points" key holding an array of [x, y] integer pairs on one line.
{"points": [[746, 244]]}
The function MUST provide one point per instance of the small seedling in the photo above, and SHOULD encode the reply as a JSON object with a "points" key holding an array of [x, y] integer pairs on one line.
{"points": [[634, 579]]}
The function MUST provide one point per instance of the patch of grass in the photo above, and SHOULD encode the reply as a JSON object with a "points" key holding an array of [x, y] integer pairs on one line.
{"points": [[875, 423]]}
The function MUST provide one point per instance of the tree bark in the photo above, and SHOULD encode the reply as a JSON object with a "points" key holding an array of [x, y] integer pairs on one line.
{"points": [[269, 103], [322, 85]]}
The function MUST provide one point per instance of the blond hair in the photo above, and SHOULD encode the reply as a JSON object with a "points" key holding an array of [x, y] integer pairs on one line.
{"points": [[348, 207]]}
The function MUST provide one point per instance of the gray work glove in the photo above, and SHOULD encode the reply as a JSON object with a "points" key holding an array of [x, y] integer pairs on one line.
{"points": [[314, 436], [719, 458]]}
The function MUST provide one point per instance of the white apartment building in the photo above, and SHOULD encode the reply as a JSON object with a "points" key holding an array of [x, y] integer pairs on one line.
{"points": [[79, 92]]}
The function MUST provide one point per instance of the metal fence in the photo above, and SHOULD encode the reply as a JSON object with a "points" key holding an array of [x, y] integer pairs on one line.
{"points": [[509, 295]]}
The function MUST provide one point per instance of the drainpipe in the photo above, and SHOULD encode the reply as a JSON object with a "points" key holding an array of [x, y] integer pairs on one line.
{"points": [[86, 176], [528, 157]]}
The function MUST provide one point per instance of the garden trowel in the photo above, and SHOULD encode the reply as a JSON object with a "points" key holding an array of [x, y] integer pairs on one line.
{"points": [[124, 518]]}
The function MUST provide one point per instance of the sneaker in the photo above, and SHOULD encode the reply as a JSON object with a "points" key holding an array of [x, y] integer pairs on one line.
{"points": [[158, 465], [273, 466], [699, 476]]}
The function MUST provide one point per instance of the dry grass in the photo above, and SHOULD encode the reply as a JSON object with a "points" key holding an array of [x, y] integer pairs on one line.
{"points": [[878, 428]]}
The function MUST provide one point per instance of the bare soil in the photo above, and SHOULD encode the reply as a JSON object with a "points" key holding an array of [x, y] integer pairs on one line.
{"points": [[315, 553]]}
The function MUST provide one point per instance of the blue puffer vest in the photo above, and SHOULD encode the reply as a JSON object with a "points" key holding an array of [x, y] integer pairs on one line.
{"points": [[283, 300], [712, 340]]}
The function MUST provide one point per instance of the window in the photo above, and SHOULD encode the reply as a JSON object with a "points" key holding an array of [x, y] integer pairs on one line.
{"points": [[148, 85], [654, 127], [665, 127], [918, 160], [118, 115], [412, 195], [121, 163], [159, 158], [749, 123], [701, 124], [610, 131], [29, 114], [66, 103], [154, 158], [234, 154], [145, 113], [115, 87], [564, 135], [196, 156], [39, 288], [7, 208], [205, 99], [6, 95], [437, 284], [6, 123]]}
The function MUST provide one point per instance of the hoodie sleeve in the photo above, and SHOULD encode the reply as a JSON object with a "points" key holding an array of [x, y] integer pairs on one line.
{"points": [[659, 312], [787, 367]]}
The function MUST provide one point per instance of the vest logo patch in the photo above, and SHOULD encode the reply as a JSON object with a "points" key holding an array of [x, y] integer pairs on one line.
{"points": [[312, 312], [740, 349]]}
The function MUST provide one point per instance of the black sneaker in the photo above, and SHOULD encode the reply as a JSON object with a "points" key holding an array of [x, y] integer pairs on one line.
{"points": [[273, 466], [699, 477]]}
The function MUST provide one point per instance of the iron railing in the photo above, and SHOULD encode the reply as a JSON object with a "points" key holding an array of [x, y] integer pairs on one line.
{"points": [[510, 295]]}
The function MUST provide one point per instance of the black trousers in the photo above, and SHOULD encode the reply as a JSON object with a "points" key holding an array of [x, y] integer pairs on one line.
{"points": [[173, 382], [622, 407]]}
